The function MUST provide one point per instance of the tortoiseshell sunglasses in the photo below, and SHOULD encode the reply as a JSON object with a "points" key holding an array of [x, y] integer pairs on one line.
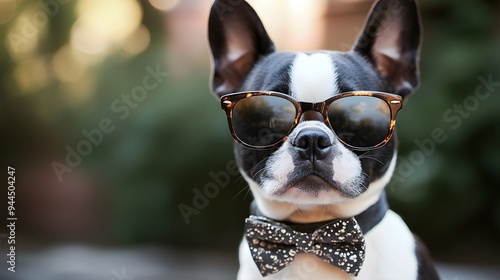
{"points": [[361, 120]]}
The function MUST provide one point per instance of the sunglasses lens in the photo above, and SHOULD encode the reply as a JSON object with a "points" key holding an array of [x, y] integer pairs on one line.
{"points": [[360, 121], [263, 120]]}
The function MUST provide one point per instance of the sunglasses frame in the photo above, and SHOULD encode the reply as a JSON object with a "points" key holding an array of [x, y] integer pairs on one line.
{"points": [[229, 101]]}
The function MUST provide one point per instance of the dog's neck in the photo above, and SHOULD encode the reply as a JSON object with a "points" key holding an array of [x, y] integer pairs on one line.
{"points": [[366, 219], [300, 213]]}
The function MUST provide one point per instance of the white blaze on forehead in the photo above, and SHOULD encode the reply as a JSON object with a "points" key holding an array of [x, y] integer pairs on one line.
{"points": [[313, 78]]}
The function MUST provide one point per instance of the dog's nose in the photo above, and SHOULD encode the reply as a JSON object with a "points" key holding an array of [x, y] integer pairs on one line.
{"points": [[312, 144]]}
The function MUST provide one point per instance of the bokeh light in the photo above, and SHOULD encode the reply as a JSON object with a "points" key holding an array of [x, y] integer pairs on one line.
{"points": [[24, 34], [104, 24], [66, 67], [164, 5], [31, 74], [7, 10], [136, 42]]}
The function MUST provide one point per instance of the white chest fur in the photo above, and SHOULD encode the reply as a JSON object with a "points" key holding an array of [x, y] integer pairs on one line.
{"points": [[390, 248]]}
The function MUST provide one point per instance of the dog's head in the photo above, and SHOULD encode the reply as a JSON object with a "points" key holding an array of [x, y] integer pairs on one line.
{"points": [[315, 168]]}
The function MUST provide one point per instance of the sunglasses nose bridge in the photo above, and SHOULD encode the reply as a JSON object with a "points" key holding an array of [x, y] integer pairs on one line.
{"points": [[312, 111]]}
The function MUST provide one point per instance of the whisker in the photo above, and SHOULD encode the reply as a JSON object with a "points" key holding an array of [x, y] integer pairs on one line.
{"points": [[365, 183], [372, 158], [257, 164], [368, 156], [324, 211], [296, 208], [238, 179], [257, 173], [247, 188], [248, 191]]}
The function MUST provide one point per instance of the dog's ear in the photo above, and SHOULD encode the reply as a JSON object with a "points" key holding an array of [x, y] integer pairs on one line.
{"points": [[391, 41], [238, 40]]}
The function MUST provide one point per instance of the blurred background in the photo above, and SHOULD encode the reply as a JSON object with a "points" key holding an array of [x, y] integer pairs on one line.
{"points": [[124, 160]]}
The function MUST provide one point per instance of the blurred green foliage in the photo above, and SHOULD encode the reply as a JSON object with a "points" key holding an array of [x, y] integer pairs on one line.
{"points": [[453, 196], [177, 136]]}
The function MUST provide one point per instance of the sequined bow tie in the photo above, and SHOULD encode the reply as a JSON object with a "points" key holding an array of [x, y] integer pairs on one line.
{"points": [[274, 245]]}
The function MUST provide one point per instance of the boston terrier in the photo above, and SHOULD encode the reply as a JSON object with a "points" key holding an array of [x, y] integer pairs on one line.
{"points": [[314, 140]]}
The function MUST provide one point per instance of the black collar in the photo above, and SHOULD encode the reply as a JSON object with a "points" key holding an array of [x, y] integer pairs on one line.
{"points": [[367, 219]]}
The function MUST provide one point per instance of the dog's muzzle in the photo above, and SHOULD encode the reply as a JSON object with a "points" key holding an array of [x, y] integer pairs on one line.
{"points": [[312, 144]]}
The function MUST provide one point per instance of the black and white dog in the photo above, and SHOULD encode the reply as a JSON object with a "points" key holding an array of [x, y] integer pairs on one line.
{"points": [[313, 133]]}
